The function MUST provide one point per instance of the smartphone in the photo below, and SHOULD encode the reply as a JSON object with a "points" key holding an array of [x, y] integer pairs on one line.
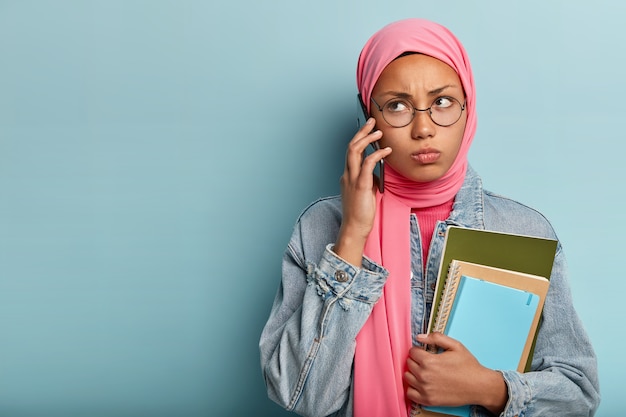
{"points": [[362, 117]]}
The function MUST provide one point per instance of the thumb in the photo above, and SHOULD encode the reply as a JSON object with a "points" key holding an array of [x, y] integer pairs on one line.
{"points": [[438, 339]]}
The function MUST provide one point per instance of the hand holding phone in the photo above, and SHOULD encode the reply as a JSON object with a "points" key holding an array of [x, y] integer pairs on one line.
{"points": [[362, 117]]}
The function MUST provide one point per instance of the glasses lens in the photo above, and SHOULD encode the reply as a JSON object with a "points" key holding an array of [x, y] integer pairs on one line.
{"points": [[398, 113], [445, 111]]}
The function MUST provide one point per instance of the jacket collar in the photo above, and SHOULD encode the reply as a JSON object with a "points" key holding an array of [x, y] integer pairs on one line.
{"points": [[469, 209]]}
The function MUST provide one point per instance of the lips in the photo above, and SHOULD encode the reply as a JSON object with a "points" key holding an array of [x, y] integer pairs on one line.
{"points": [[426, 156]]}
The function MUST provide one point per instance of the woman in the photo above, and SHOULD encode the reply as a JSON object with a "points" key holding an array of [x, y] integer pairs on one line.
{"points": [[335, 342]]}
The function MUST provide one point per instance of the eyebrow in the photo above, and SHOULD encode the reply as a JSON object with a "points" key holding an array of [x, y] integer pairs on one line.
{"points": [[441, 89], [434, 92]]}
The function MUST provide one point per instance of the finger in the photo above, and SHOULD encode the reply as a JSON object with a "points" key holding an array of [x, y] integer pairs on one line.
{"points": [[360, 141], [414, 395], [368, 136], [415, 353], [363, 136], [413, 367], [367, 128], [363, 132], [415, 390], [411, 380], [419, 360], [367, 178], [369, 162], [355, 156]]}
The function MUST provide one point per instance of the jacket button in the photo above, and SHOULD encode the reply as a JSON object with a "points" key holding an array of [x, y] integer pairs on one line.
{"points": [[341, 276]]}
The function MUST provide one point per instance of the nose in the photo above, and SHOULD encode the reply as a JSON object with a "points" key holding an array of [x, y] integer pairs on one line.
{"points": [[422, 126]]}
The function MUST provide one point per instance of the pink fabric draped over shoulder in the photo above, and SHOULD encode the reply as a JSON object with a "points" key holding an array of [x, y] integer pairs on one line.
{"points": [[385, 339]]}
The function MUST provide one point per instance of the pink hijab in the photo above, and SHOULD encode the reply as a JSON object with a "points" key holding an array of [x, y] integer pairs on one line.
{"points": [[385, 339]]}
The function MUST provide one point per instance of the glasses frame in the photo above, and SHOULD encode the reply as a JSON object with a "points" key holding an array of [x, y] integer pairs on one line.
{"points": [[415, 110]]}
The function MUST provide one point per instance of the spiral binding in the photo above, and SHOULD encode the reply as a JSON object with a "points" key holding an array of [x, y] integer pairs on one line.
{"points": [[447, 299]]}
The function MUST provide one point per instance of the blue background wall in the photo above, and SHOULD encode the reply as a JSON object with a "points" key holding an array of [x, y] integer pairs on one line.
{"points": [[154, 156]]}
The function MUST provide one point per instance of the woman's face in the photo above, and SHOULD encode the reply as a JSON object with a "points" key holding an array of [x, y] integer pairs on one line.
{"points": [[422, 151]]}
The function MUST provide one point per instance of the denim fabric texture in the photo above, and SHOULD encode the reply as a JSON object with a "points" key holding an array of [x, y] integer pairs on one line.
{"points": [[308, 344]]}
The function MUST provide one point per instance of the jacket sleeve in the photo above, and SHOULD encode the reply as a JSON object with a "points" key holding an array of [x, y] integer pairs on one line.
{"points": [[307, 346], [564, 379]]}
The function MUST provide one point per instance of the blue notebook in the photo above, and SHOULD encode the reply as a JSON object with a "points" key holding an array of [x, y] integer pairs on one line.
{"points": [[496, 321]]}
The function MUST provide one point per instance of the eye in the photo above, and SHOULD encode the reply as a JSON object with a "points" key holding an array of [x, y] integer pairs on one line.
{"points": [[398, 106], [443, 102]]}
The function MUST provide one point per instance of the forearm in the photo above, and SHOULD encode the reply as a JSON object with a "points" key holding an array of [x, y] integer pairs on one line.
{"points": [[307, 357]]}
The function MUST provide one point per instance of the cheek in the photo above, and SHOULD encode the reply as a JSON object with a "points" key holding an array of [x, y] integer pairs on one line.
{"points": [[392, 137], [458, 138]]}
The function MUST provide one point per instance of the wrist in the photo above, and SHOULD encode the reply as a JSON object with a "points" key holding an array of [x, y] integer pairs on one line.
{"points": [[350, 247], [495, 393]]}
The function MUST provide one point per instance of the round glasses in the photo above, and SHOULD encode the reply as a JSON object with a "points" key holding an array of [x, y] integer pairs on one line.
{"points": [[444, 111]]}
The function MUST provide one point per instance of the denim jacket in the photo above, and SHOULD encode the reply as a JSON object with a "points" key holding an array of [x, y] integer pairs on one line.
{"points": [[307, 346]]}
